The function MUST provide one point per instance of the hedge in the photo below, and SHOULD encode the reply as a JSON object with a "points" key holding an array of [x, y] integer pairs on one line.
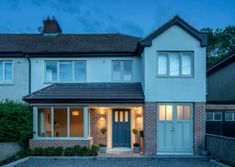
{"points": [[16, 122]]}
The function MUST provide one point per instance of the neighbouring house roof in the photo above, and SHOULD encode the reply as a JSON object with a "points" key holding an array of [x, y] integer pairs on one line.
{"points": [[36, 44], [220, 64], [88, 93], [202, 37]]}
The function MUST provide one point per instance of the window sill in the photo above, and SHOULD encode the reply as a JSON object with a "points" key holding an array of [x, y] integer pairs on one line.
{"points": [[164, 76], [6, 83], [63, 82]]}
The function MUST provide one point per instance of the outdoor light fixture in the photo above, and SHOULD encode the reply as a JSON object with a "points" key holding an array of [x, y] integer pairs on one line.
{"points": [[75, 113]]}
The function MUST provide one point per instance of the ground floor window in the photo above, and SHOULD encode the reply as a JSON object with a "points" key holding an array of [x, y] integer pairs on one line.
{"points": [[60, 122]]}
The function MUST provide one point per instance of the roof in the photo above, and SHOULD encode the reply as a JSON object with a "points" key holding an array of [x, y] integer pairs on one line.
{"points": [[223, 62], [202, 37], [68, 43], [88, 93]]}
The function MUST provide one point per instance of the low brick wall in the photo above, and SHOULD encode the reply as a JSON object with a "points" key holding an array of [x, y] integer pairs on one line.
{"points": [[221, 147], [58, 143], [8, 149]]}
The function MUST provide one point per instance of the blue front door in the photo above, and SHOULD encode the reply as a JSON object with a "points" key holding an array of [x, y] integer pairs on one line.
{"points": [[121, 128]]}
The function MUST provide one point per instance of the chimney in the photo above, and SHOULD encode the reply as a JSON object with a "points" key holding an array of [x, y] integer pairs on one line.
{"points": [[51, 26]]}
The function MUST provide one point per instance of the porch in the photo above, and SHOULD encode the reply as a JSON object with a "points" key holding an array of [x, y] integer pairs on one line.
{"points": [[74, 114]]}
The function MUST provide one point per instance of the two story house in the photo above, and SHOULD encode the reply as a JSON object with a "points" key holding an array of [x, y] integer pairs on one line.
{"points": [[80, 83]]}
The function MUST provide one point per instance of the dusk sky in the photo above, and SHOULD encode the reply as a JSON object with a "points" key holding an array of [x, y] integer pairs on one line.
{"points": [[134, 17]]}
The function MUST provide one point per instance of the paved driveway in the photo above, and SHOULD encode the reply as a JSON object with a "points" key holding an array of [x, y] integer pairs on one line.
{"points": [[115, 163]]}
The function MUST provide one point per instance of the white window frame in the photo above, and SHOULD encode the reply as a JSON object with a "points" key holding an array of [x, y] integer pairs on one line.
{"points": [[4, 81], [58, 71], [181, 53], [122, 70], [233, 116], [213, 116], [68, 110]]}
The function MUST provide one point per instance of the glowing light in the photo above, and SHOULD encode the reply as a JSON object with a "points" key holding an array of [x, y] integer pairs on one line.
{"points": [[75, 113]]}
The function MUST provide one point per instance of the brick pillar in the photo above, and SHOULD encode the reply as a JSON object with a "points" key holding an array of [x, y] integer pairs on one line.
{"points": [[97, 121], [150, 128], [199, 126]]}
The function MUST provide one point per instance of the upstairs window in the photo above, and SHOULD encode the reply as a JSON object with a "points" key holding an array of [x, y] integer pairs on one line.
{"points": [[175, 64], [122, 70], [65, 71], [6, 71]]}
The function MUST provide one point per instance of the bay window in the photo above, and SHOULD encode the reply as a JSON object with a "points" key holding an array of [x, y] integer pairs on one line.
{"points": [[61, 122], [121, 70], [6, 71], [65, 71], [175, 64]]}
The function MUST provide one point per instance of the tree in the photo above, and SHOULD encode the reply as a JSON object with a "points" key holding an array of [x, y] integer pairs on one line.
{"points": [[220, 43]]}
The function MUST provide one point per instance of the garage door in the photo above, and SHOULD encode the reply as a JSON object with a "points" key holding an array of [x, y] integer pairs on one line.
{"points": [[174, 129]]}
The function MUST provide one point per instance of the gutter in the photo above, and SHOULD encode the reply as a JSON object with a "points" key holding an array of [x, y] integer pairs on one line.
{"points": [[28, 58]]}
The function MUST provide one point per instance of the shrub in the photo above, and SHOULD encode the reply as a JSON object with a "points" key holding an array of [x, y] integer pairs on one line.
{"points": [[24, 152], [78, 150], [69, 151], [39, 151], [53, 151], [94, 150], [85, 151], [16, 122]]}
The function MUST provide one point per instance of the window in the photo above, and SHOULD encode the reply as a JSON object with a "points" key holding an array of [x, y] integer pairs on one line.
{"points": [[122, 70], [76, 122], [67, 122], [65, 71], [6, 71], [183, 112], [44, 122], [214, 116], [175, 64], [165, 112], [229, 116]]}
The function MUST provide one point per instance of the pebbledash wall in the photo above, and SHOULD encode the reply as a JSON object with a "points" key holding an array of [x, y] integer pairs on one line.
{"points": [[150, 127]]}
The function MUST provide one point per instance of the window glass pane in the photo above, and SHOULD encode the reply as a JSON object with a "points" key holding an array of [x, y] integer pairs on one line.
{"points": [[169, 112], [51, 71], [162, 64], [217, 116], [179, 112], [60, 122], [121, 116], [44, 122], [228, 116], [80, 71], [116, 116], [76, 122], [66, 71], [1, 70], [174, 64], [126, 116], [127, 74], [8, 71], [187, 113], [186, 64], [162, 110], [209, 116], [116, 71]]}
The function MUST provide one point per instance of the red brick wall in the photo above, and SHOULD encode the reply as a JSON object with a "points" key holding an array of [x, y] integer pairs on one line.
{"points": [[97, 121], [150, 128], [199, 126], [58, 143]]}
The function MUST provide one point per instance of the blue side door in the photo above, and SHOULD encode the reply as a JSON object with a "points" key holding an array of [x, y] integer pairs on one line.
{"points": [[121, 128]]}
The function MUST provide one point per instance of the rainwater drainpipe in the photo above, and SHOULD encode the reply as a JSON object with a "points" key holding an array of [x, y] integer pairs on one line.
{"points": [[28, 58]]}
